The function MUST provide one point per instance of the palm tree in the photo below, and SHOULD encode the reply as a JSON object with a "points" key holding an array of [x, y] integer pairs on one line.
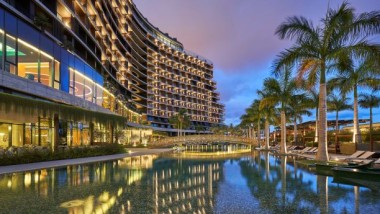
{"points": [[369, 101], [340, 34], [256, 116], [337, 103], [248, 119], [298, 108], [180, 121], [350, 79], [279, 91], [270, 117]]}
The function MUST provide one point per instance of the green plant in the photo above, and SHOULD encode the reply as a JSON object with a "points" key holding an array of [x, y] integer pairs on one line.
{"points": [[42, 21], [31, 155]]}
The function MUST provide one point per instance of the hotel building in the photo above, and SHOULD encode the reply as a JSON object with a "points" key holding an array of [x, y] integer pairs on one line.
{"points": [[73, 68]]}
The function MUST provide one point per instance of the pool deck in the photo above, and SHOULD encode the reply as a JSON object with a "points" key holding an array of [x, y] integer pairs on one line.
{"points": [[67, 162], [332, 156]]}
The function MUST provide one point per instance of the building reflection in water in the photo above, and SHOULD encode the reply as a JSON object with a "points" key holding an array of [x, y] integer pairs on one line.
{"points": [[142, 184], [181, 184]]}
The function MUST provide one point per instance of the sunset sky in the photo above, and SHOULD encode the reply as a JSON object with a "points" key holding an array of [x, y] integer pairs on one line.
{"points": [[238, 36]]}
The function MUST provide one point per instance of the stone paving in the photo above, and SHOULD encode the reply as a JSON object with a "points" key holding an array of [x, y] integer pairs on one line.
{"points": [[66, 162]]}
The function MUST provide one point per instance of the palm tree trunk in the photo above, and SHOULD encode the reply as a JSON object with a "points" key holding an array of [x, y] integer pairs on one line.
{"points": [[370, 128], [357, 137], [177, 128], [259, 133], [322, 153], [336, 122], [295, 130], [283, 132], [266, 133], [316, 126]]}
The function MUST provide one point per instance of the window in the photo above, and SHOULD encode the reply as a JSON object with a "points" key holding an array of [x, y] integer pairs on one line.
{"points": [[10, 54], [57, 75], [4, 135], [1, 48], [72, 81], [46, 69], [79, 85], [99, 95], [28, 58], [36, 65]]}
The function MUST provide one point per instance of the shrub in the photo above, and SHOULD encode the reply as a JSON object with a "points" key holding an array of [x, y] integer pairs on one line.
{"points": [[31, 154]]}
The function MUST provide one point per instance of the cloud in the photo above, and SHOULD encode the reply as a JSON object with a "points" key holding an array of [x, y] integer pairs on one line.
{"points": [[238, 36]]}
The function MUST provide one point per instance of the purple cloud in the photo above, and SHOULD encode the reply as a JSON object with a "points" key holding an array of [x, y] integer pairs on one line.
{"points": [[238, 36]]}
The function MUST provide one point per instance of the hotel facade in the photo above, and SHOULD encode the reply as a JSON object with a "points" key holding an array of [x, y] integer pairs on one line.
{"points": [[74, 72]]}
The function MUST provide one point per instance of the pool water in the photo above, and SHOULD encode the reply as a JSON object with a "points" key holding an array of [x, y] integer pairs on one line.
{"points": [[173, 183]]}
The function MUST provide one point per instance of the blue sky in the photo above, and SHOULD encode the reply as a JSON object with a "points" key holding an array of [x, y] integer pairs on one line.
{"points": [[238, 36]]}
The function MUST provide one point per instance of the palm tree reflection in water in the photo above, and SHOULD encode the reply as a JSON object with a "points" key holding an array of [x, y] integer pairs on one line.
{"points": [[265, 184]]}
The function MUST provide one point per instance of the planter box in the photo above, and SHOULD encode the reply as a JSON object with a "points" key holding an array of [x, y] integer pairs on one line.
{"points": [[347, 148]]}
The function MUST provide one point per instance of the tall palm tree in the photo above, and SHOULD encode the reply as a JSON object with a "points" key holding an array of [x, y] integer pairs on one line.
{"points": [[298, 108], [247, 120], [257, 117], [279, 91], [317, 47], [180, 121], [337, 103], [369, 101], [350, 79], [271, 116]]}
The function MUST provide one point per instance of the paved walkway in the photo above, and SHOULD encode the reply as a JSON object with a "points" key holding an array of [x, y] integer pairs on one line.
{"points": [[66, 162]]}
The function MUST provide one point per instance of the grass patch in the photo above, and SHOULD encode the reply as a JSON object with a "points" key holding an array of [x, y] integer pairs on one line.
{"points": [[34, 155]]}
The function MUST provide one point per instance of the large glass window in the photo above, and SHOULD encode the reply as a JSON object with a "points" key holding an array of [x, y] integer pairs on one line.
{"points": [[57, 75], [99, 95], [2, 47], [10, 54], [46, 69], [4, 135], [79, 85], [72, 81], [17, 135], [28, 58], [31, 134], [88, 90]]}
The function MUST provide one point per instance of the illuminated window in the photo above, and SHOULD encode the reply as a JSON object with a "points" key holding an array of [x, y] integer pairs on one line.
{"points": [[27, 62], [1, 47], [57, 74], [46, 69], [10, 54]]}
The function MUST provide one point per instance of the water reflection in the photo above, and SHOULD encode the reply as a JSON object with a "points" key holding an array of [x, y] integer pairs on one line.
{"points": [[255, 182]]}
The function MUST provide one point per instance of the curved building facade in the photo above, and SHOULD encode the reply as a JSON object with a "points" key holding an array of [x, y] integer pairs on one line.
{"points": [[99, 56]]}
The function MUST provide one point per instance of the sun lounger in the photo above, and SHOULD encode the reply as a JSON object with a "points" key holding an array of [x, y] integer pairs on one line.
{"points": [[362, 161], [364, 157], [356, 154], [303, 150], [377, 161], [306, 150], [312, 150]]}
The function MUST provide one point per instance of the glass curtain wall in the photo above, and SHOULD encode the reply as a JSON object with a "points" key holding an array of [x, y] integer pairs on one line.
{"points": [[27, 61]]}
